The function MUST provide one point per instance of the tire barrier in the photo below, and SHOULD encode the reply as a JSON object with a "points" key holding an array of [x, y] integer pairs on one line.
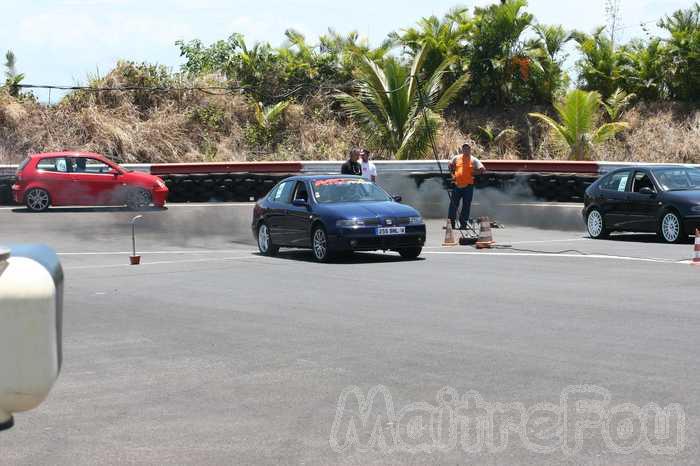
{"points": [[561, 187], [6, 189], [246, 187], [220, 187]]}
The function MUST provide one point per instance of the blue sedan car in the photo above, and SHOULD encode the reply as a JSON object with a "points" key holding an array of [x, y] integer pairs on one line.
{"points": [[330, 214]]}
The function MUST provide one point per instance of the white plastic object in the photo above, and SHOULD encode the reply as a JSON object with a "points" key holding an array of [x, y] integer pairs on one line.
{"points": [[30, 330]]}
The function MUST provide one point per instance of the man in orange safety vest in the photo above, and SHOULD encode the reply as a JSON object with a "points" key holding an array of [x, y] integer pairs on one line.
{"points": [[463, 168]]}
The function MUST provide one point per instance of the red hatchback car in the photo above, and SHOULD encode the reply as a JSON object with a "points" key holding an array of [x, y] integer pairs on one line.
{"points": [[84, 179]]}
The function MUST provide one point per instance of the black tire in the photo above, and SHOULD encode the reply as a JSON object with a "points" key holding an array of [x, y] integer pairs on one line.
{"points": [[138, 199], [265, 245], [410, 253], [671, 227], [37, 200], [595, 224], [319, 244]]}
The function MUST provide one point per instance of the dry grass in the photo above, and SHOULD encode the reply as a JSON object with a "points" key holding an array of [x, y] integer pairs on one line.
{"points": [[196, 126]]}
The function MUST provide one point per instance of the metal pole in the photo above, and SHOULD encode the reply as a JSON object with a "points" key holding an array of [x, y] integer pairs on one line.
{"points": [[133, 232]]}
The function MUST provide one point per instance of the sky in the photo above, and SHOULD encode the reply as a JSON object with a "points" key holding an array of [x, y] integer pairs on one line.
{"points": [[64, 42]]}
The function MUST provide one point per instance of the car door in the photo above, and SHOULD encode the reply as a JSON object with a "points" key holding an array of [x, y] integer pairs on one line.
{"points": [[94, 182], [298, 218], [642, 207], [279, 203], [613, 201], [54, 174]]}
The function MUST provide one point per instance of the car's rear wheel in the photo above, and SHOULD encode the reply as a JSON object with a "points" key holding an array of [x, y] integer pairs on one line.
{"points": [[37, 200], [138, 199], [265, 245], [319, 244], [596, 225], [671, 228], [410, 253]]}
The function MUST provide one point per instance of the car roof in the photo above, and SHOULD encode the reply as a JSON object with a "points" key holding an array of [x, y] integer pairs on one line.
{"points": [[66, 154], [321, 177], [649, 166]]}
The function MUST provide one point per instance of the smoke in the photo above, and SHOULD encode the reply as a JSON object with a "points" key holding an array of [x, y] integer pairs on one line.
{"points": [[181, 225], [515, 204]]}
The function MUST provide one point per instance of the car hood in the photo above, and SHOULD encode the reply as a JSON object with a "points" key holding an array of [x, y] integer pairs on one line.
{"points": [[684, 197], [369, 209]]}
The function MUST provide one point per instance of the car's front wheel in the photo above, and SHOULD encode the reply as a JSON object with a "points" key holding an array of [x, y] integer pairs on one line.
{"points": [[596, 225], [265, 245], [410, 253], [319, 244], [671, 228], [37, 200], [138, 199]]}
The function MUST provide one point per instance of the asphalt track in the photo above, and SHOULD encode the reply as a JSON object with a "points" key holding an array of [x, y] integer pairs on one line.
{"points": [[208, 353]]}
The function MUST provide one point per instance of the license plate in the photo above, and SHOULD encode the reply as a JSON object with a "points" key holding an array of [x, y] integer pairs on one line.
{"points": [[391, 231]]}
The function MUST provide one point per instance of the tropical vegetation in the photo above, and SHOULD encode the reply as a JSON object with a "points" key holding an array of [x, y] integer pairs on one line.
{"points": [[475, 74]]}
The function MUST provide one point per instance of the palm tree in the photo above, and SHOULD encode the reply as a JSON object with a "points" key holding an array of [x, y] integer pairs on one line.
{"points": [[12, 78], [617, 103], [267, 116], [547, 57], [445, 37], [267, 119], [398, 111], [578, 113], [493, 138], [494, 45], [599, 67], [683, 60]]}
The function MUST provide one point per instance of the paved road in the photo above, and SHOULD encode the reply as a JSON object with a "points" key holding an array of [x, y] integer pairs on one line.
{"points": [[210, 354]]}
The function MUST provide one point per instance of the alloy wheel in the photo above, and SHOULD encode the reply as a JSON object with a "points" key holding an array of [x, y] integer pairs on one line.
{"points": [[595, 224], [38, 200], [263, 239], [670, 227], [320, 244], [139, 199]]}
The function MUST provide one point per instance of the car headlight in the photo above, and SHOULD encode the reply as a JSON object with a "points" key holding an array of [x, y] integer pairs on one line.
{"points": [[160, 183], [415, 220], [350, 223], [695, 208]]}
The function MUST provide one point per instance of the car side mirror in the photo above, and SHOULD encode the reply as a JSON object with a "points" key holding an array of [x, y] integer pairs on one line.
{"points": [[300, 203], [647, 191], [397, 198], [31, 301]]}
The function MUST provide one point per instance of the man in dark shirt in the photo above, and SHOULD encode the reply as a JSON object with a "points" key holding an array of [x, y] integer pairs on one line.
{"points": [[352, 166]]}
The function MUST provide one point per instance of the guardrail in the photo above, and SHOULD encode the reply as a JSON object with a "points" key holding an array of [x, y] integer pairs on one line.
{"points": [[549, 180]]}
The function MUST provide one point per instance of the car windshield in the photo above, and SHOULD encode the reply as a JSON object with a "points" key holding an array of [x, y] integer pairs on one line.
{"points": [[348, 190], [677, 178]]}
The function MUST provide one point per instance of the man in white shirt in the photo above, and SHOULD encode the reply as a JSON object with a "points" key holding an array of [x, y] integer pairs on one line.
{"points": [[369, 170]]}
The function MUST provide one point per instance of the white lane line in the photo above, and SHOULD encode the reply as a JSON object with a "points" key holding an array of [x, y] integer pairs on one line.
{"points": [[189, 261], [549, 241], [189, 251], [529, 204], [567, 256], [210, 204], [113, 209], [505, 244]]}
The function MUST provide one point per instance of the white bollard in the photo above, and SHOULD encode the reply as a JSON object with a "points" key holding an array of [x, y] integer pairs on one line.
{"points": [[30, 328]]}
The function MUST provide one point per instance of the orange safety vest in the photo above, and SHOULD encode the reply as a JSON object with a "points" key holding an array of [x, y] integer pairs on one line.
{"points": [[464, 172]]}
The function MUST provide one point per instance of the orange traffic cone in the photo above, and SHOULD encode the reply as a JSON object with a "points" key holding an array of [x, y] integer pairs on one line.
{"points": [[449, 235], [485, 240], [696, 256]]}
